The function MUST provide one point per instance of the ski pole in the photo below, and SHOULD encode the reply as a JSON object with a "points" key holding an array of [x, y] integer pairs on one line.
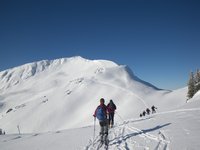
{"points": [[94, 129]]}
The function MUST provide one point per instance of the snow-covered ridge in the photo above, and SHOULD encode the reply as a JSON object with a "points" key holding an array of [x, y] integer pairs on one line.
{"points": [[14, 76]]}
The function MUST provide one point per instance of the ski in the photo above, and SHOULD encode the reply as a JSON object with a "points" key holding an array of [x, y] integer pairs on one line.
{"points": [[106, 145], [99, 146], [103, 144]]}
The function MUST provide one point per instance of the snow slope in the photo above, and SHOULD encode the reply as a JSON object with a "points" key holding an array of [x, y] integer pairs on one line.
{"points": [[52, 101], [62, 94], [176, 129]]}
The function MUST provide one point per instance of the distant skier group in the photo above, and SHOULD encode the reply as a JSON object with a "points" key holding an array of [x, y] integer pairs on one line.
{"points": [[148, 111], [105, 115]]}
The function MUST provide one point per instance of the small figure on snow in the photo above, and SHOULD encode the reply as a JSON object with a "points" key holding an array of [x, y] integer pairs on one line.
{"points": [[144, 113], [141, 115], [153, 109], [148, 111]]}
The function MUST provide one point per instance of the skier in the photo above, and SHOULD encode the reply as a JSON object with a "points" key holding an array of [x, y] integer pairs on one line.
{"points": [[148, 111], [144, 113], [141, 115], [111, 111], [101, 114], [153, 108]]}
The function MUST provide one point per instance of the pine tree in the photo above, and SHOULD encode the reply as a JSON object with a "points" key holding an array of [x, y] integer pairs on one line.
{"points": [[197, 81], [191, 86]]}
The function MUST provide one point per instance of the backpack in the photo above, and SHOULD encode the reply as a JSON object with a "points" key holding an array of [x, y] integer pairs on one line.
{"points": [[100, 114], [112, 106]]}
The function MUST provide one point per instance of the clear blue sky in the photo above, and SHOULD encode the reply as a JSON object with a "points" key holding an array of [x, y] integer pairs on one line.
{"points": [[158, 39]]}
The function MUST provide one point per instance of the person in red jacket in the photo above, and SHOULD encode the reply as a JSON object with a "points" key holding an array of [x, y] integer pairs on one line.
{"points": [[101, 114], [111, 111]]}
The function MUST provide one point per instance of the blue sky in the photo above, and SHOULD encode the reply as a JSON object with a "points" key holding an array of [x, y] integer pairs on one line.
{"points": [[158, 39]]}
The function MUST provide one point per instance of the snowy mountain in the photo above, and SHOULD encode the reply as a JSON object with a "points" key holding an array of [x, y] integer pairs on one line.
{"points": [[53, 101]]}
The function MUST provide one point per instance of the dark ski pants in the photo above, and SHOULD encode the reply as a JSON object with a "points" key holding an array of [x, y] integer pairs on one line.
{"points": [[111, 119], [103, 129]]}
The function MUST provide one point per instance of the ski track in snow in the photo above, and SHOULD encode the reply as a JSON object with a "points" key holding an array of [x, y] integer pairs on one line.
{"points": [[127, 137], [179, 110]]}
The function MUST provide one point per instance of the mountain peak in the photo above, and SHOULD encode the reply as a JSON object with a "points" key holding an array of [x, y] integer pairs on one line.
{"points": [[14, 76]]}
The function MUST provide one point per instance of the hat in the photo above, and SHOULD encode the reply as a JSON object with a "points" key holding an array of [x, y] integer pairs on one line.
{"points": [[102, 100]]}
